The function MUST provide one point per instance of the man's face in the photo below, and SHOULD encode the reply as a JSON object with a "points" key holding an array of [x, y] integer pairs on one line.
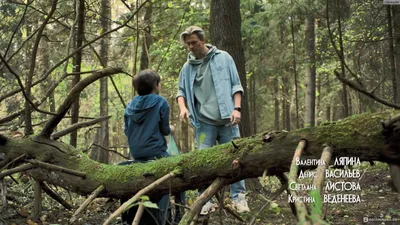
{"points": [[195, 45]]}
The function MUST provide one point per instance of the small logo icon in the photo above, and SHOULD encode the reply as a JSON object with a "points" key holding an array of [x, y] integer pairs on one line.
{"points": [[365, 219]]}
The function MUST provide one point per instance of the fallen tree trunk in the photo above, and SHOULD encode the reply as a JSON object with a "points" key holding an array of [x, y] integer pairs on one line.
{"points": [[357, 136]]}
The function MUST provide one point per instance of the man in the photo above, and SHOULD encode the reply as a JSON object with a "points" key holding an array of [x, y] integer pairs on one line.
{"points": [[209, 85]]}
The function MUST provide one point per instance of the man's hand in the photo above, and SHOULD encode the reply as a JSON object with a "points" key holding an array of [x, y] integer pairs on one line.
{"points": [[235, 117], [184, 113]]}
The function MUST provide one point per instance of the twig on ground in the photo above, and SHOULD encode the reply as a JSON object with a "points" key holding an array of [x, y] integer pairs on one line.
{"points": [[126, 204], [201, 200], [3, 191], [276, 194], [86, 203], [55, 196]]}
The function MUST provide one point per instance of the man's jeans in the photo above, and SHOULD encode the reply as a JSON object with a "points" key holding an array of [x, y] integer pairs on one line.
{"points": [[210, 135]]}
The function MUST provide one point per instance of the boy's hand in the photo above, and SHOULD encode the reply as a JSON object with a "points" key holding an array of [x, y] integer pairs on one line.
{"points": [[184, 113], [172, 128]]}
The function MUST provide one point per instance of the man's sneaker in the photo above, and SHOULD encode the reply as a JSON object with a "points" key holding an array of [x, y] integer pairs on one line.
{"points": [[207, 208], [240, 204]]}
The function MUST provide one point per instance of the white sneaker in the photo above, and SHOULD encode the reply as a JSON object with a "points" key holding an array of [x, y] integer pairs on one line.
{"points": [[207, 208], [240, 204]]}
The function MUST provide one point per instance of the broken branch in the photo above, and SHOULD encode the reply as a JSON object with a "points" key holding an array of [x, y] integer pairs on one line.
{"points": [[55, 196], [76, 126], [56, 168], [300, 206], [16, 170], [72, 96], [126, 204], [202, 199], [86, 203]]}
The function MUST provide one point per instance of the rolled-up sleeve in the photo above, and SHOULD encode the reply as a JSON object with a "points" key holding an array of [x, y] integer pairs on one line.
{"points": [[235, 80], [181, 86]]}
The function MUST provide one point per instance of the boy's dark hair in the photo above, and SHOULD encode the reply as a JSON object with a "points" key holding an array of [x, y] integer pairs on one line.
{"points": [[146, 81]]}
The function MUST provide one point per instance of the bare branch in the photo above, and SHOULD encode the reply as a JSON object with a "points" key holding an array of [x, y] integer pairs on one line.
{"points": [[3, 193], [112, 80], [17, 27], [76, 126], [202, 199], [139, 214], [28, 103], [300, 206], [55, 196], [342, 60], [109, 150], [176, 33], [16, 170], [14, 161], [361, 89], [126, 204], [86, 203], [389, 123], [320, 173], [25, 94], [44, 77], [72, 96], [56, 168]]}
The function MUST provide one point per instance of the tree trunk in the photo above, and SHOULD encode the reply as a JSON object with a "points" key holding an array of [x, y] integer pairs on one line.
{"points": [[104, 54], [144, 57], [310, 72], [396, 29], [359, 136], [295, 72], [345, 112], [80, 10], [285, 85], [329, 103], [253, 103], [225, 22], [276, 102]]}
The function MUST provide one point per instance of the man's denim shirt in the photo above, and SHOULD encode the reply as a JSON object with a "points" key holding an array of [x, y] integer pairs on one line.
{"points": [[226, 82]]}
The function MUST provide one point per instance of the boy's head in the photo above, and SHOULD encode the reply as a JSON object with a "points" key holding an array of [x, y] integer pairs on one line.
{"points": [[146, 82]]}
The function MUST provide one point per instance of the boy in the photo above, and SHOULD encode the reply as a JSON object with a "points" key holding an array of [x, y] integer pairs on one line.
{"points": [[147, 119], [146, 124]]}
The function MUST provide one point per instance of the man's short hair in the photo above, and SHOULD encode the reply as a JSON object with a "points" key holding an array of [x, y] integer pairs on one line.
{"points": [[192, 30], [146, 81]]}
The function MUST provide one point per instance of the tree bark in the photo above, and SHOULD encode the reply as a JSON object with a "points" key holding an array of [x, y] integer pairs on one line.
{"points": [[310, 72], [295, 72], [345, 112], [146, 40], [80, 10], [396, 29], [276, 102], [103, 135], [285, 85], [359, 136], [225, 33]]}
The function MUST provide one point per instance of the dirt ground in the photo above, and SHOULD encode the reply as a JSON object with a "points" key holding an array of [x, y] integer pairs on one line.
{"points": [[378, 202]]}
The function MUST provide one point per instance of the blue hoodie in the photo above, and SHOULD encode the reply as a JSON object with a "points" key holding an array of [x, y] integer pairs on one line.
{"points": [[146, 123]]}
